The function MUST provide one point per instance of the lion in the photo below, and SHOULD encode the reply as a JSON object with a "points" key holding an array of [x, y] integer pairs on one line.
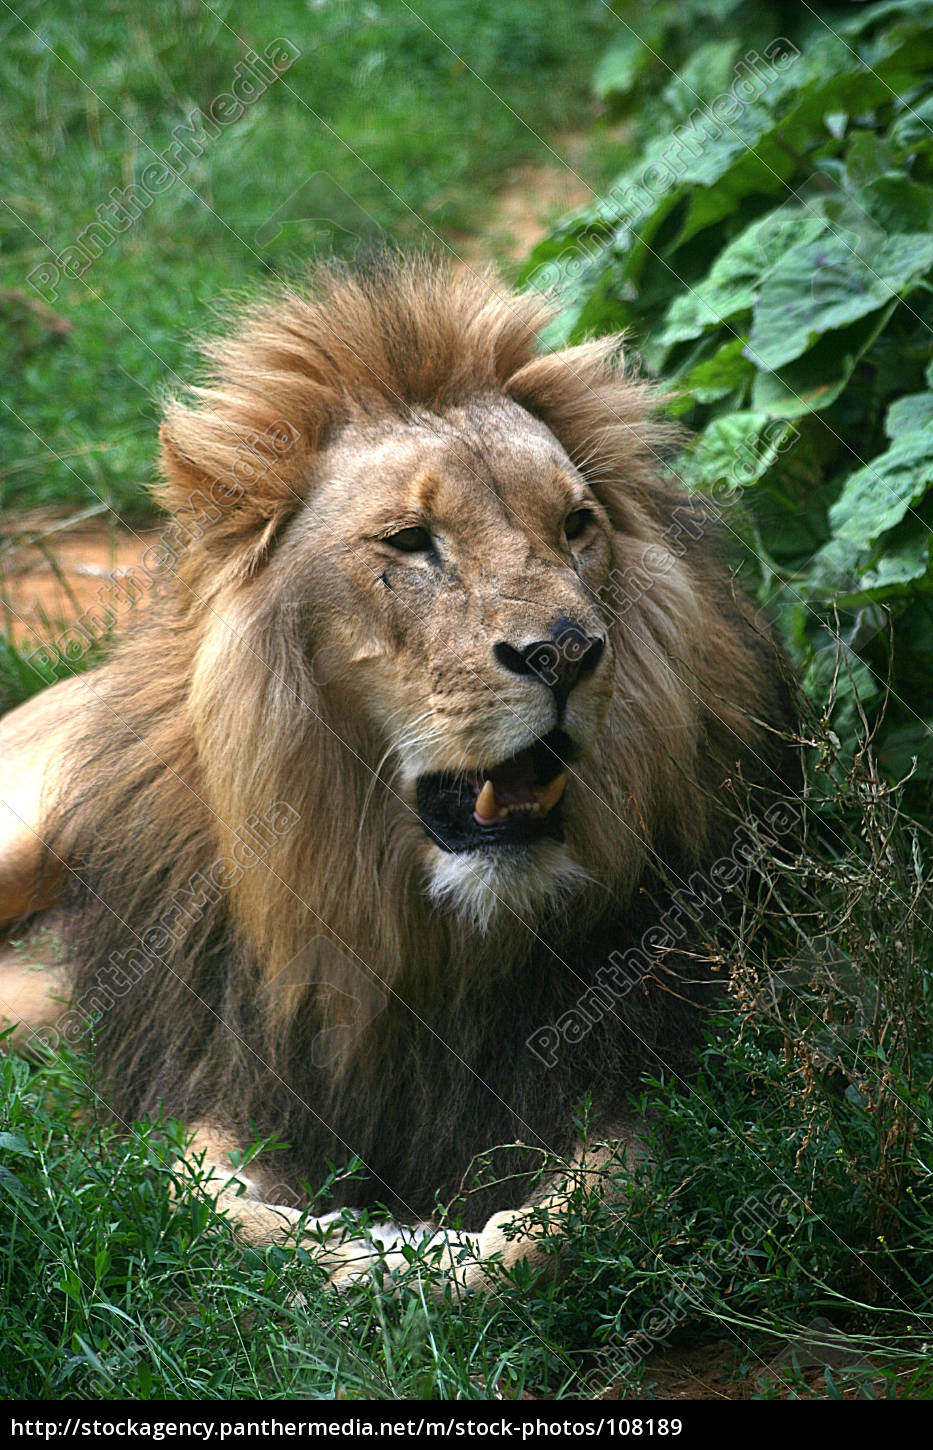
{"points": [[369, 836]]}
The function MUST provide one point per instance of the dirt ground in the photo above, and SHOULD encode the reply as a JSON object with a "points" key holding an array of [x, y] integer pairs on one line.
{"points": [[56, 564], [726, 1370], [530, 200]]}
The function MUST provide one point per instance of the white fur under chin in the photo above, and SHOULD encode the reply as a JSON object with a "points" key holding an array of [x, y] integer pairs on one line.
{"points": [[481, 885]]}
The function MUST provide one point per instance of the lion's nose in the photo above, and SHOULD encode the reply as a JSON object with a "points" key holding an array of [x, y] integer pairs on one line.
{"points": [[560, 662]]}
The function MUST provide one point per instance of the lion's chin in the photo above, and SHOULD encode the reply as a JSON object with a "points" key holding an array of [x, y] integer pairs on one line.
{"points": [[517, 883]]}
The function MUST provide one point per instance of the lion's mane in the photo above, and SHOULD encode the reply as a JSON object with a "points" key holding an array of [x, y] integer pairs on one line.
{"points": [[211, 714]]}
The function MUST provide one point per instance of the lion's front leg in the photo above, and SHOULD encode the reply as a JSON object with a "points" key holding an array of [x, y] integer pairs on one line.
{"points": [[247, 1195], [33, 996], [475, 1262], [462, 1262], [534, 1232]]}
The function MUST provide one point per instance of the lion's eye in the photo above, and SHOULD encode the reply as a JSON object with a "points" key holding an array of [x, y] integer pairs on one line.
{"points": [[576, 523], [410, 541]]}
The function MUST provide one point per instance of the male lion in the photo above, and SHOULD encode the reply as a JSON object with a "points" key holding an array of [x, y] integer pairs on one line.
{"points": [[363, 838]]}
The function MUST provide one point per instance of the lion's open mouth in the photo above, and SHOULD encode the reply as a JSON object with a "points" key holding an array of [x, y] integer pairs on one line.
{"points": [[512, 803]]}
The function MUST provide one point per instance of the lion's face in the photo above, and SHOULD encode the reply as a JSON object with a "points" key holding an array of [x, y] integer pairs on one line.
{"points": [[457, 566]]}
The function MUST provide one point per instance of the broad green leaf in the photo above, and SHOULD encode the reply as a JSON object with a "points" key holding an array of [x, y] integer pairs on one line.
{"points": [[853, 680], [787, 121], [707, 73], [904, 50], [625, 60], [736, 450], [877, 497], [799, 390], [574, 259], [14, 1143], [864, 16], [913, 411], [773, 254], [822, 285], [12, 1187], [836, 123], [913, 130], [746, 158], [710, 152], [813, 382], [898, 566], [840, 573], [900, 748], [868, 157], [732, 283], [897, 204], [834, 570], [718, 376]]}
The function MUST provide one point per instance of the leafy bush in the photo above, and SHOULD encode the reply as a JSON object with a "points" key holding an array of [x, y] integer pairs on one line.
{"points": [[771, 254], [771, 251]]}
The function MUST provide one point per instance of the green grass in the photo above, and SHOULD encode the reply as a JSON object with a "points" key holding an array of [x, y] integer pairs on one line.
{"points": [[118, 1281], [379, 127]]}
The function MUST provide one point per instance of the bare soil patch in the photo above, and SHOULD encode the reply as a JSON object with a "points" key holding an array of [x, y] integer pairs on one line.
{"points": [[55, 566]]}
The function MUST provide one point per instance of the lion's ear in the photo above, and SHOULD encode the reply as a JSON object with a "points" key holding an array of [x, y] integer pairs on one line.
{"points": [[237, 485], [560, 383], [604, 416], [181, 477]]}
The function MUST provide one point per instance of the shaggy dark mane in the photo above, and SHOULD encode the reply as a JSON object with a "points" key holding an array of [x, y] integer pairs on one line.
{"points": [[210, 716]]}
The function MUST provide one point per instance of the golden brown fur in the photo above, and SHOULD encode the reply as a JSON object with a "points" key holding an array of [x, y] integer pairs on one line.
{"points": [[354, 989]]}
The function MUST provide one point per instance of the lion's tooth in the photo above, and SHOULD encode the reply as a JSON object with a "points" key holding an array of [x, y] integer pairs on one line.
{"points": [[485, 809], [551, 794]]}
